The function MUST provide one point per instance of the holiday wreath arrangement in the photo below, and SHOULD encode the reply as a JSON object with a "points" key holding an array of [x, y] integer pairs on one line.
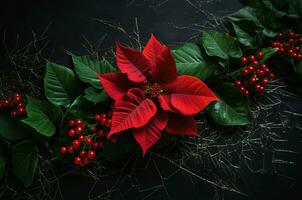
{"points": [[96, 110]]}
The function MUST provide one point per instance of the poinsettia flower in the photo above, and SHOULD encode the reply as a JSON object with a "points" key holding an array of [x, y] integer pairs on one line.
{"points": [[150, 97]]}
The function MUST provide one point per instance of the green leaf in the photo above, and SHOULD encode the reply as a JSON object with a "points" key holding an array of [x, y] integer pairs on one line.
{"points": [[267, 54], [95, 96], [298, 68], [191, 61], [41, 115], [246, 13], [220, 45], [3, 160], [60, 84], [87, 68], [243, 36], [225, 115], [11, 129], [24, 161], [234, 108]]}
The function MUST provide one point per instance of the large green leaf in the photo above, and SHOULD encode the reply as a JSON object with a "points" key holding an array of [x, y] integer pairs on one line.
{"points": [[267, 54], [220, 45], [60, 84], [244, 37], [94, 95], [3, 160], [11, 129], [41, 115], [87, 68], [246, 13], [298, 68], [234, 108], [191, 61], [24, 161]]}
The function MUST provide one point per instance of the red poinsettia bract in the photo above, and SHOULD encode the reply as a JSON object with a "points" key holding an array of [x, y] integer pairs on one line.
{"points": [[150, 97]]}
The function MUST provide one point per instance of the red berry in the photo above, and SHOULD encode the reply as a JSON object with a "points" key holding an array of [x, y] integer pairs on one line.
{"points": [[13, 114], [77, 160], [260, 72], [299, 56], [250, 68], [103, 121], [290, 41], [101, 133], [265, 81], [21, 110], [79, 130], [71, 123], [281, 35], [246, 93], [255, 63], [243, 60], [291, 34], [79, 122], [272, 76], [71, 132], [97, 117], [81, 138], [261, 89], [263, 66], [91, 154], [86, 161], [83, 153], [21, 104], [296, 48], [114, 138], [6, 103], [281, 50], [259, 55], [17, 99], [76, 144], [245, 72], [257, 87], [108, 123], [266, 71], [63, 150], [95, 145], [252, 58], [290, 51], [275, 44], [252, 80], [70, 149], [89, 141]]}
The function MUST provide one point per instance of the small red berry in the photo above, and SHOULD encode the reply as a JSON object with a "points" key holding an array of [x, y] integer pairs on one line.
{"points": [[83, 153], [261, 89], [266, 71], [6, 103], [245, 72], [257, 87], [71, 123], [252, 58], [63, 150], [259, 55], [17, 99], [79, 130], [246, 93], [263, 66], [95, 145], [108, 123], [76, 144], [291, 34], [91, 154], [255, 63], [79, 122], [252, 80], [21, 104], [296, 48], [89, 141], [21, 110], [260, 72], [13, 114], [250, 68], [101, 133], [86, 161], [103, 121], [272, 76], [81, 138], [281, 35], [290, 41], [71, 132], [97, 117], [70, 149], [243, 60], [77, 160], [265, 81]]}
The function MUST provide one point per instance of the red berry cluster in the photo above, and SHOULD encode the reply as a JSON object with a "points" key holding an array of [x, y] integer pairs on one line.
{"points": [[87, 138], [15, 105], [255, 76], [289, 44]]}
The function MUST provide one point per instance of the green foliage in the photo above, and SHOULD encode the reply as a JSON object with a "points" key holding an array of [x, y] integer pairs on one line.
{"points": [[60, 84], [11, 129], [298, 68], [190, 60], [24, 161], [41, 115], [87, 68], [95, 96]]}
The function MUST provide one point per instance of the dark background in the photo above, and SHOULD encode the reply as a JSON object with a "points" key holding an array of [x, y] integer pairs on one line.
{"points": [[68, 22]]}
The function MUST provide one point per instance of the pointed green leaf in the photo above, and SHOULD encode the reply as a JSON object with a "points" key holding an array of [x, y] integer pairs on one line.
{"points": [[24, 161], [87, 68], [267, 54], [243, 36], [95, 96], [191, 61], [220, 45], [11, 129], [41, 115], [60, 84]]}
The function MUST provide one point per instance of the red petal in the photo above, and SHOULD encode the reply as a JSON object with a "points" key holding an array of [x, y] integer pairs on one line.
{"points": [[116, 85], [188, 95], [151, 51], [148, 135], [165, 67], [132, 63], [132, 111], [182, 125]]}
